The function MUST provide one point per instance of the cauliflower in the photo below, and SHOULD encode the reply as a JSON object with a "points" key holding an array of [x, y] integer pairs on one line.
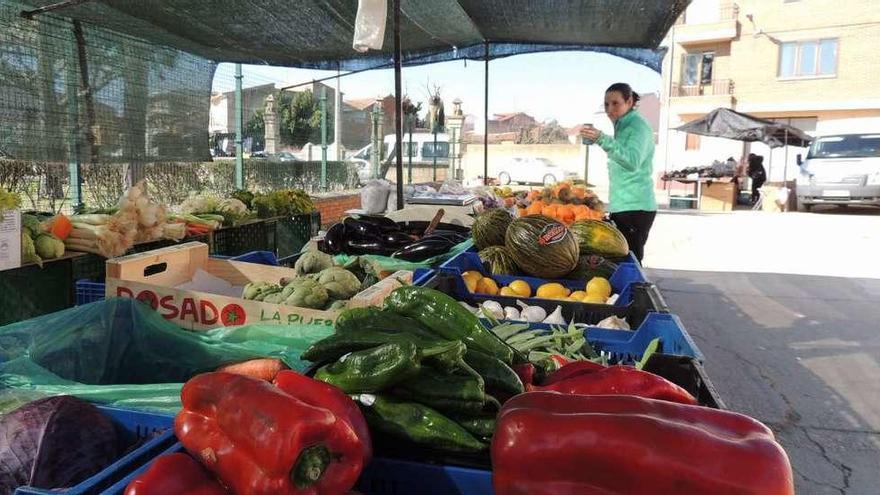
{"points": [[306, 293], [28, 251], [232, 205], [312, 262], [49, 247], [199, 204], [339, 282]]}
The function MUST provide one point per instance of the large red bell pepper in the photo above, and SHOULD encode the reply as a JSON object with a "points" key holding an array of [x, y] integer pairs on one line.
{"points": [[556, 444], [321, 394], [620, 380], [175, 473], [260, 440]]}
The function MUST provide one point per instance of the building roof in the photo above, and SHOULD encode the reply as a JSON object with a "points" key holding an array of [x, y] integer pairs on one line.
{"points": [[501, 117], [361, 103]]}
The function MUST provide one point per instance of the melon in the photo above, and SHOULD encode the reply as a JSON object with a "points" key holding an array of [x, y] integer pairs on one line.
{"points": [[542, 247], [489, 228], [498, 261], [600, 238], [591, 265]]}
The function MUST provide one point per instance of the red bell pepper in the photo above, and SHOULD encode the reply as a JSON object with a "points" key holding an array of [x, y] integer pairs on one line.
{"points": [[321, 394], [527, 373], [175, 473], [571, 370], [556, 444], [261, 440], [621, 380]]}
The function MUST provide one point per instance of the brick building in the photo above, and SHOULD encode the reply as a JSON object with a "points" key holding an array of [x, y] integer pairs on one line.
{"points": [[810, 63]]}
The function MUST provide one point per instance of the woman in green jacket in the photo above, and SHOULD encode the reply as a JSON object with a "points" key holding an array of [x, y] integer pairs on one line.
{"points": [[630, 166]]}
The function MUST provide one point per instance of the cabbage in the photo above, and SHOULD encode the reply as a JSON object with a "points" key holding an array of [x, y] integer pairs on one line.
{"points": [[56, 442]]}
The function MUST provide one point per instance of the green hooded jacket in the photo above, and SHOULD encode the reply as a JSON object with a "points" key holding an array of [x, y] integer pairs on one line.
{"points": [[630, 164]]}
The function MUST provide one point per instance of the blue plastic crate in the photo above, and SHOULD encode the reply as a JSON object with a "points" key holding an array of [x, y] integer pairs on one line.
{"points": [[628, 346], [156, 433], [395, 477], [88, 291], [625, 275], [259, 257]]}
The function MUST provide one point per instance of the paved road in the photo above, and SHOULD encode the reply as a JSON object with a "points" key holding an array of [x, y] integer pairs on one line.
{"points": [[799, 352]]}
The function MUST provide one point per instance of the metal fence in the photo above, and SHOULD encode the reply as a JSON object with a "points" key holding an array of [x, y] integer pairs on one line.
{"points": [[45, 186]]}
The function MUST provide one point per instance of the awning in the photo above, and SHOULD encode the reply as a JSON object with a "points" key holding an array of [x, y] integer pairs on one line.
{"points": [[727, 123], [318, 33]]}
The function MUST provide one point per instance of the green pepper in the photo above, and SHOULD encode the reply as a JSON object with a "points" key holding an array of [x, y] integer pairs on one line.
{"points": [[339, 344], [417, 423], [448, 319], [357, 320], [373, 369], [482, 426], [462, 392], [498, 376], [451, 360]]}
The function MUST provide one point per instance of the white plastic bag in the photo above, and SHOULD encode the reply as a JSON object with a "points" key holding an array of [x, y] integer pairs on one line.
{"points": [[374, 196], [369, 26]]}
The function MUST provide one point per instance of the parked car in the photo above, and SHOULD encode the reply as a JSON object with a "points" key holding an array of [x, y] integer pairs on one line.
{"points": [[532, 170], [285, 156], [423, 152], [841, 169]]}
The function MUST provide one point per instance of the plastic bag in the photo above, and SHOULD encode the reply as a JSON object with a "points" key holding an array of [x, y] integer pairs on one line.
{"points": [[120, 352], [374, 196], [369, 25]]}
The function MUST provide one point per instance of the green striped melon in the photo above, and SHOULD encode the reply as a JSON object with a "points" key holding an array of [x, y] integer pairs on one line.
{"points": [[489, 228], [600, 238], [541, 246]]}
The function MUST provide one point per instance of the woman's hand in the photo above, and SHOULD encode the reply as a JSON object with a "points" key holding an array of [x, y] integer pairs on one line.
{"points": [[591, 133]]}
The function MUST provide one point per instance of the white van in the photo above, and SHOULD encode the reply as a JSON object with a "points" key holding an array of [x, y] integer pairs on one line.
{"points": [[423, 152], [842, 169]]}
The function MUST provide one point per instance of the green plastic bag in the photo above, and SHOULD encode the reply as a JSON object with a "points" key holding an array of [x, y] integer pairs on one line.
{"points": [[120, 352], [375, 264]]}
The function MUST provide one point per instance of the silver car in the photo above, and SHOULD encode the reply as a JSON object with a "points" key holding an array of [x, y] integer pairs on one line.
{"points": [[532, 171], [842, 169]]}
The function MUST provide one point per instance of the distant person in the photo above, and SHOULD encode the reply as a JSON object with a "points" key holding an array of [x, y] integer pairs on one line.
{"points": [[758, 175], [630, 166]]}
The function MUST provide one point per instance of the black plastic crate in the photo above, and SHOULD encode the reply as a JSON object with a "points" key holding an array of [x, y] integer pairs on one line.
{"points": [[292, 233], [256, 235], [646, 298], [30, 291], [689, 374]]}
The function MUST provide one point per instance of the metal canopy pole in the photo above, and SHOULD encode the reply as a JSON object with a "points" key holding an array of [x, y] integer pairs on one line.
{"points": [[239, 151], [785, 167], [486, 121], [29, 14], [323, 138], [398, 121]]}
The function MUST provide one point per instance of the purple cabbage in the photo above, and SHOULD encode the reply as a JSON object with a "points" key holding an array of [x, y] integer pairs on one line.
{"points": [[55, 442]]}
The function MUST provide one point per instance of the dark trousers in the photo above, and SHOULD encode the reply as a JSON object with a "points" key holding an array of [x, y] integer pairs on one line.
{"points": [[635, 226], [757, 182]]}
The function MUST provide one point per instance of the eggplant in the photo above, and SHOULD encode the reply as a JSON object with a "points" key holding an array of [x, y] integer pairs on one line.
{"points": [[396, 239], [418, 227], [359, 229], [384, 224], [334, 239], [367, 246], [449, 236], [422, 250]]}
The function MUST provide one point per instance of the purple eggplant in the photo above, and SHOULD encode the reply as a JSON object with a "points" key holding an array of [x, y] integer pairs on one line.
{"points": [[397, 239], [384, 224], [367, 246], [422, 250], [358, 229], [334, 239]]}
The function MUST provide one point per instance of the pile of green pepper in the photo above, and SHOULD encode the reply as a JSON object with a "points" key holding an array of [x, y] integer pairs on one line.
{"points": [[422, 367]]}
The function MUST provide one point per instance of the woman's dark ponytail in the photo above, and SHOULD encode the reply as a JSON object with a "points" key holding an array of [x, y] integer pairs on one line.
{"points": [[626, 91]]}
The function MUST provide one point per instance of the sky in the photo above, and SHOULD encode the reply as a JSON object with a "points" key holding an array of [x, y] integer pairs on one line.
{"points": [[566, 86]]}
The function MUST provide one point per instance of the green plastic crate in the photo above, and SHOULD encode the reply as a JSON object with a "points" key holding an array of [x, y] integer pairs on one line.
{"points": [[31, 291], [256, 235]]}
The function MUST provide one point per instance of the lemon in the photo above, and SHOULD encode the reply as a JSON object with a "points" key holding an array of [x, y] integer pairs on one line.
{"points": [[594, 299], [487, 286], [552, 290], [470, 283], [472, 274], [599, 287], [507, 291], [578, 295], [521, 288]]}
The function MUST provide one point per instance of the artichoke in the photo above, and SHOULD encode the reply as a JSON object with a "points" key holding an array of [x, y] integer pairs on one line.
{"points": [[28, 251], [49, 247], [339, 282], [306, 293], [312, 262]]}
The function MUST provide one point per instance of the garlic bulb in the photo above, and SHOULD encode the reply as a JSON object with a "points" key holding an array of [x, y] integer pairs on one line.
{"points": [[511, 313], [555, 317], [531, 314], [493, 308]]}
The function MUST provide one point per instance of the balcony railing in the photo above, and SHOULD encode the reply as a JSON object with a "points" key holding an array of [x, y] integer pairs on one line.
{"points": [[727, 11], [717, 87]]}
